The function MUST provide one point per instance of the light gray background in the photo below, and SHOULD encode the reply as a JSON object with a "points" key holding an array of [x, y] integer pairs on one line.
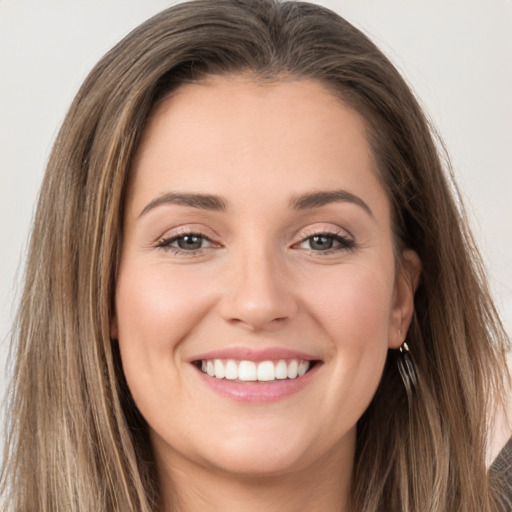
{"points": [[457, 55]]}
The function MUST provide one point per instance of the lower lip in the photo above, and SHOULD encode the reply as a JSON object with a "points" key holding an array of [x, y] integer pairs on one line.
{"points": [[258, 391]]}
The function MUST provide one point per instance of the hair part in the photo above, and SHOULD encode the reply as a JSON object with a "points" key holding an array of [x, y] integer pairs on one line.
{"points": [[76, 440]]}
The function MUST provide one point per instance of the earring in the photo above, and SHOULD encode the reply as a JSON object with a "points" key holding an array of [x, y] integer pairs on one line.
{"points": [[406, 369]]}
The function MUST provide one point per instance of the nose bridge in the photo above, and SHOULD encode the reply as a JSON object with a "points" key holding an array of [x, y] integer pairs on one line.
{"points": [[259, 294]]}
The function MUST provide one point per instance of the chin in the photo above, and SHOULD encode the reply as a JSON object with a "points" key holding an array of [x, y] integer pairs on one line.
{"points": [[258, 462], [269, 449]]}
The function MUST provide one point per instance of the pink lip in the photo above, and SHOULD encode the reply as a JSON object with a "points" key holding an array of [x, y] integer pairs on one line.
{"points": [[244, 353], [256, 391]]}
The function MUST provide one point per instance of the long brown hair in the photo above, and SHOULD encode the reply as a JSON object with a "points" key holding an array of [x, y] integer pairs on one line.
{"points": [[76, 441]]}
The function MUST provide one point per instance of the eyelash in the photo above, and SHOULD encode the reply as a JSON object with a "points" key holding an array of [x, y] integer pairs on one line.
{"points": [[165, 244], [345, 243]]}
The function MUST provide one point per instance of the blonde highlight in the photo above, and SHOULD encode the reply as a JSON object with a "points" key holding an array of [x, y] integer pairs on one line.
{"points": [[76, 440]]}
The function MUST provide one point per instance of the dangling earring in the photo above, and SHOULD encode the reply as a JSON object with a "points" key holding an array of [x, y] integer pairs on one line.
{"points": [[406, 368]]}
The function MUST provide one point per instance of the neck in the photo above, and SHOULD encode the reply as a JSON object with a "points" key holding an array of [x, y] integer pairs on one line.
{"points": [[188, 487]]}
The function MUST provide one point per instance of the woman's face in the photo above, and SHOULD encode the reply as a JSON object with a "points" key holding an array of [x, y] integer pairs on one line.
{"points": [[257, 245]]}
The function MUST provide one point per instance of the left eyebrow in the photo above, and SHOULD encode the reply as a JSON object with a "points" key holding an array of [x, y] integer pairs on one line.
{"points": [[322, 198], [201, 201]]}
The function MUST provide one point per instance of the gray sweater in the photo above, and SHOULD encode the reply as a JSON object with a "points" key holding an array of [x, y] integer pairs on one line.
{"points": [[501, 474]]}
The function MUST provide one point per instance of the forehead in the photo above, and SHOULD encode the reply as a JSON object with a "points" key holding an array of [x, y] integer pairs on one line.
{"points": [[235, 134]]}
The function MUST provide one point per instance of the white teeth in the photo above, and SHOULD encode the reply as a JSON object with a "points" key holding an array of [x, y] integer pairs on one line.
{"points": [[231, 370], [281, 370], [266, 371], [247, 371], [263, 371], [292, 369], [303, 368], [220, 373]]}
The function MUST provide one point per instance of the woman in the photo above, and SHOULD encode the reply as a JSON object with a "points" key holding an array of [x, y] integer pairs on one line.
{"points": [[257, 291]]}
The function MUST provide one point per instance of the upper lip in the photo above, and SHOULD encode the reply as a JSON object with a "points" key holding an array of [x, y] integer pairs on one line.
{"points": [[250, 354]]}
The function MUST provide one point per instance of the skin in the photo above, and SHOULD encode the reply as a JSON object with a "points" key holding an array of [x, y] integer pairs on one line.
{"points": [[257, 282]]}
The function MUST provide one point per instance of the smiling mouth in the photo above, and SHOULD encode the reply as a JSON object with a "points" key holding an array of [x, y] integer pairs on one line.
{"points": [[251, 371]]}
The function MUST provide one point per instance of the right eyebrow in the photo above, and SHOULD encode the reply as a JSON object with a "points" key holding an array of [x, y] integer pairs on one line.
{"points": [[321, 198], [202, 201]]}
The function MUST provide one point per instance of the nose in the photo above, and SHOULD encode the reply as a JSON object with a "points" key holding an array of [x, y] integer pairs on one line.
{"points": [[259, 295]]}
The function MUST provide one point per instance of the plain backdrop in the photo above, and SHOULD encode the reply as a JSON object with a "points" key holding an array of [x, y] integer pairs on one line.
{"points": [[456, 54]]}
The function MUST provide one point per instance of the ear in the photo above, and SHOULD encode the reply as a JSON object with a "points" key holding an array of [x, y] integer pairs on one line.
{"points": [[403, 298]]}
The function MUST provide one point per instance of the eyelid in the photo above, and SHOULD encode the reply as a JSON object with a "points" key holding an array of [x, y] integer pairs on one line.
{"points": [[164, 241], [343, 237], [187, 229], [323, 229], [167, 241]]}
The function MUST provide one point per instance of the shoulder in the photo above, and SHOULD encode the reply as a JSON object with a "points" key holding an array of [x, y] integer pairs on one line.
{"points": [[501, 474]]}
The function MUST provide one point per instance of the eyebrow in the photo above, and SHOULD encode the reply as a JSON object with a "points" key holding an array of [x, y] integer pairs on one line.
{"points": [[202, 201], [322, 198], [216, 203]]}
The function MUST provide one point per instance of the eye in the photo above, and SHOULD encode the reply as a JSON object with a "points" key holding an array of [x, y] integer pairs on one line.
{"points": [[327, 242], [188, 242], [320, 242]]}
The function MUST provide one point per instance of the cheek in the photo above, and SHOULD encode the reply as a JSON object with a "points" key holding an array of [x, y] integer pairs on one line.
{"points": [[354, 306], [155, 308]]}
